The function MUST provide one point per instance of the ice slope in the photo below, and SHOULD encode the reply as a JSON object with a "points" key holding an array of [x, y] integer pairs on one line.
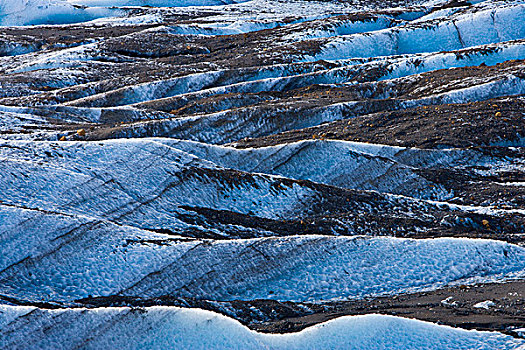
{"points": [[318, 268], [147, 182], [136, 182], [484, 26], [75, 256], [345, 164], [171, 327], [156, 183], [331, 162]]}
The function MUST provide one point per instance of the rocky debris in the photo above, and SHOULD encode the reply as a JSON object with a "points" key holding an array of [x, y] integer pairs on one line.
{"points": [[473, 124], [455, 306]]}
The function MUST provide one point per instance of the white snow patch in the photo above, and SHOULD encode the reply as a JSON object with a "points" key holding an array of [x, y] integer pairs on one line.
{"points": [[515, 184], [487, 304], [449, 302]]}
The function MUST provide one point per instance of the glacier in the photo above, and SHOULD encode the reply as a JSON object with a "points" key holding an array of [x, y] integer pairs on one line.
{"points": [[270, 174]]}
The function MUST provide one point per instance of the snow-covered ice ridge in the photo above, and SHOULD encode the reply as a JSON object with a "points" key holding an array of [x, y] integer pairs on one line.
{"points": [[170, 327], [314, 168]]}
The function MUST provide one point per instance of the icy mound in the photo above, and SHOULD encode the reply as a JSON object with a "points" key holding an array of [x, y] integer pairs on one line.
{"points": [[175, 328], [28, 12]]}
